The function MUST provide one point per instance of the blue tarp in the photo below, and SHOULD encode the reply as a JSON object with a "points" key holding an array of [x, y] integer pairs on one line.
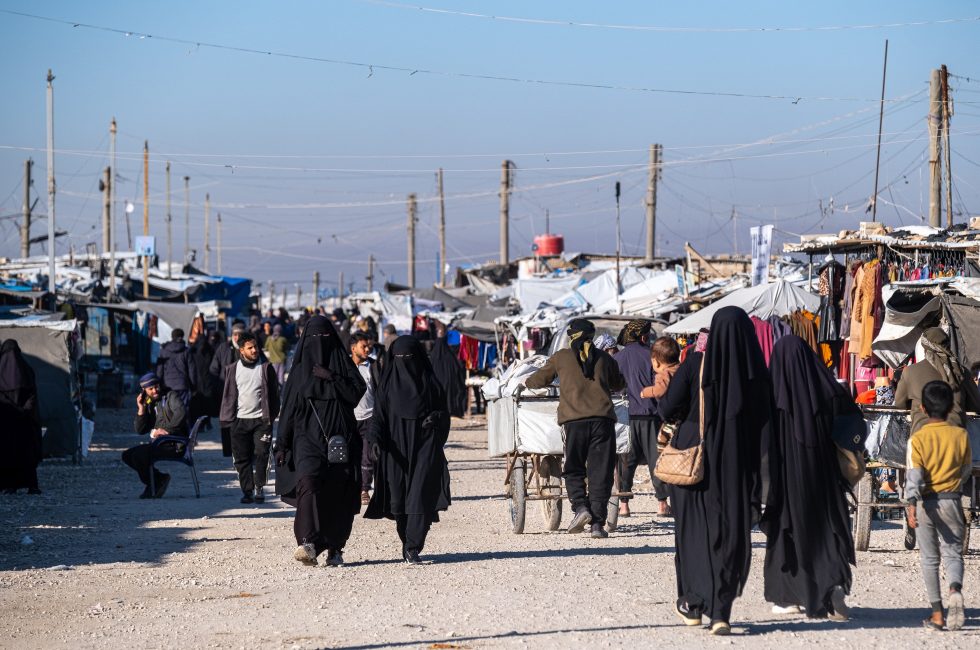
{"points": [[235, 290]]}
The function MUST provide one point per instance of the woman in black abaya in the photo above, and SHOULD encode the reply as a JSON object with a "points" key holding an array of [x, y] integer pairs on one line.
{"points": [[713, 519], [319, 398], [409, 431], [450, 374], [809, 548], [20, 422]]}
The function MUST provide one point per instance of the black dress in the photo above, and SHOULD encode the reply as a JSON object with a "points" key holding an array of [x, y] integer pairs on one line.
{"points": [[410, 427], [809, 548], [713, 519], [323, 388], [20, 421]]}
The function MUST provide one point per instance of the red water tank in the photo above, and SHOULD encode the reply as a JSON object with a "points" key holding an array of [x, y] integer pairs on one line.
{"points": [[549, 245]]}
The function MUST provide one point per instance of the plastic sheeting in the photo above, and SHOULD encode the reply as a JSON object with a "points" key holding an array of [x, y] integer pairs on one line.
{"points": [[530, 426], [903, 326], [534, 292], [779, 298]]}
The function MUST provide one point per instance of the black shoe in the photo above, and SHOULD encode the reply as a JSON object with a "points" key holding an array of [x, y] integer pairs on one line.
{"points": [[259, 495], [247, 498], [598, 532], [412, 557], [579, 521], [161, 484], [146, 493], [335, 558]]}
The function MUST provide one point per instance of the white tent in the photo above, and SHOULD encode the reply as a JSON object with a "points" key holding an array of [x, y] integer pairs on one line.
{"points": [[764, 300], [533, 292]]}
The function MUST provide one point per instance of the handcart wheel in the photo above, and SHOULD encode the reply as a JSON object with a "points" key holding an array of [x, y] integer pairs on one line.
{"points": [[518, 497], [909, 540], [612, 512], [862, 514], [550, 472]]}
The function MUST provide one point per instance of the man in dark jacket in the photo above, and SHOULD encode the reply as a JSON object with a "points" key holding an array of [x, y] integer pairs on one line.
{"points": [[634, 363], [225, 356], [159, 414], [585, 375], [249, 404], [175, 367]]}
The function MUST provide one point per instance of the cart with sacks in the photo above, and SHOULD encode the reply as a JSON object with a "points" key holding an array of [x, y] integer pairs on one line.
{"points": [[522, 429], [889, 429]]}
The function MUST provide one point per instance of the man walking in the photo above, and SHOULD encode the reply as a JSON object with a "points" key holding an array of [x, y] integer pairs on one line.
{"points": [[249, 404], [225, 355], [585, 375], [634, 362], [360, 354], [275, 349], [175, 367]]}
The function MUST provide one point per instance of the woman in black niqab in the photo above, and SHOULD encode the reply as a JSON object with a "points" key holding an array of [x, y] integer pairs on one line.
{"points": [[809, 548], [714, 518], [20, 422], [319, 397], [451, 375], [408, 432]]}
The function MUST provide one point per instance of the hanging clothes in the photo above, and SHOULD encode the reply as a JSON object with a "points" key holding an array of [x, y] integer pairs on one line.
{"points": [[763, 333], [469, 351], [831, 291], [854, 309], [870, 307]]}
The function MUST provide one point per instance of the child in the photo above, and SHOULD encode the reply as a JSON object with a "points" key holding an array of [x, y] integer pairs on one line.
{"points": [[939, 462], [665, 355]]}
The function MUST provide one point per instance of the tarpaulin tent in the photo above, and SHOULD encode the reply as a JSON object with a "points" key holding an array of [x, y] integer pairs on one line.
{"points": [[779, 298], [534, 292], [906, 316], [48, 349]]}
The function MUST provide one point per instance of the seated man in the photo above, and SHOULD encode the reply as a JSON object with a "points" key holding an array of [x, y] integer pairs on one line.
{"points": [[158, 414]]}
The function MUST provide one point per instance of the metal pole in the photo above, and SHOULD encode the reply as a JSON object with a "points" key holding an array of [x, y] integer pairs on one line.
{"points": [[881, 119], [146, 215], [170, 249], [51, 185], [442, 233], [25, 227], [207, 233], [935, 169], [112, 197], [618, 238], [505, 211], [219, 243], [411, 240], [187, 219]]}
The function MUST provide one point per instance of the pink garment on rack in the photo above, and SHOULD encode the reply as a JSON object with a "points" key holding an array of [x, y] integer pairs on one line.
{"points": [[763, 332]]}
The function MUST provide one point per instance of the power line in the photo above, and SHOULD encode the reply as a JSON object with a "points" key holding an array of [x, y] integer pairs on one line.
{"points": [[656, 28], [371, 67]]}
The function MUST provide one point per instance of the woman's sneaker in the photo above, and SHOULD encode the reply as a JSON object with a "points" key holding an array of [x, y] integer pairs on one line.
{"points": [[335, 558], [690, 619], [837, 601], [579, 521], [305, 553]]}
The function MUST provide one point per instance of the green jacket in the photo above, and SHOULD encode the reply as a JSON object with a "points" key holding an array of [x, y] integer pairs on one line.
{"points": [[275, 349]]}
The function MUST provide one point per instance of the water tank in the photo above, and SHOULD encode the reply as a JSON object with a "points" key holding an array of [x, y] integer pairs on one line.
{"points": [[549, 245]]}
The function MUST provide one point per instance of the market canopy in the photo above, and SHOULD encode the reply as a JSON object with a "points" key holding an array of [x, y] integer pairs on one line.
{"points": [[779, 298]]}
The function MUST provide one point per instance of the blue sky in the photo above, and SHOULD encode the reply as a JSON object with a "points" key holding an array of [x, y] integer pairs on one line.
{"points": [[309, 162]]}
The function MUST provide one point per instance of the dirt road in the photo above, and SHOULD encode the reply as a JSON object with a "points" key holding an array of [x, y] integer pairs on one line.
{"points": [[87, 564]]}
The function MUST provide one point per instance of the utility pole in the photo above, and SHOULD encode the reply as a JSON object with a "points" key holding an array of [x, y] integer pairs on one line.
{"points": [[442, 233], [207, 233], [146, 215], [272, 293], [505, 181], [935, 169], [25, 226], [653, 177], [106, 210], [170, 250], [316, 289], [340, 289], [112, 199], [284, 297], [735, 229], [51, 185], [299, 297], [187, 219], [619, 284], [411, 241], [881, 119], [947, 113], [370, 275], [219, 243]]}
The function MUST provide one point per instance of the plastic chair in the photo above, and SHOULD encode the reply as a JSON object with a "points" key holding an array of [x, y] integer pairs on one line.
{"points": [[187, 459]]}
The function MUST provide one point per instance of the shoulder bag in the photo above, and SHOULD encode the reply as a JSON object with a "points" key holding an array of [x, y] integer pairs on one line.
{"points": [[338, 451], [684, 466]]}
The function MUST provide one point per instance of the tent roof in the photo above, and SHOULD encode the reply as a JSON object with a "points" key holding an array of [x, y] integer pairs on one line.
{"points": [[779, 298]]}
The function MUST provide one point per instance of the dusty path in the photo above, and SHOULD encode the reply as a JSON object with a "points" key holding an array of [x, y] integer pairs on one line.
{"points": [[108, 570]]}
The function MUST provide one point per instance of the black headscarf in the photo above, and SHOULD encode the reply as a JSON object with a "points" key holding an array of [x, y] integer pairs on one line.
{"points": [[451, 375], [408, 385], [18, 385], [581, 332], [319, 351]]}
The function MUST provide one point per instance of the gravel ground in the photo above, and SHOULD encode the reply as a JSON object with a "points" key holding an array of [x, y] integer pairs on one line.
{"points": [[105, 569]]}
